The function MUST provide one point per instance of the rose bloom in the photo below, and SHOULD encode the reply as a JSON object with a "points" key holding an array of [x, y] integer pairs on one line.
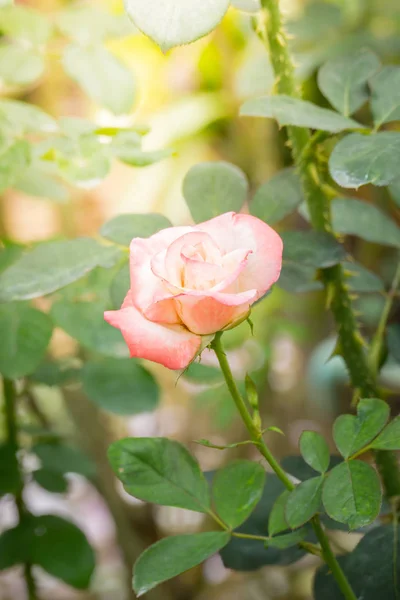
{"points": [[187, 283]]}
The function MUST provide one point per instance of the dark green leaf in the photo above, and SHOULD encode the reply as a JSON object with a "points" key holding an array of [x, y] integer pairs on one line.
{"points": [[277, 520], [53, 265], [389, 438], [343, 80], [394, 189], [278, 197], [352, 433], [247, 479], [213, 188], [51, 481], [19, 66], [304, 502], [61, 459], [54, 374], [352, 494], [393, 341], [14, 158], [102, 76], [300, 113], [296, 278], [123, 228], [311, 249], [288, 539], [14, 546], [362, 280], [25, 335], [355, 217], [249, 555], [360, 159], [385, 98], [122, 387], [161, 471], [84, 321], [297, 467], [174, 555], [373, 568], [315, 450], [10, 480]]}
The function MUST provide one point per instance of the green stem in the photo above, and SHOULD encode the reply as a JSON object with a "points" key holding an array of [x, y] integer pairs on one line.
{"points": [[12, 435], [352, 345], [256, 436]]}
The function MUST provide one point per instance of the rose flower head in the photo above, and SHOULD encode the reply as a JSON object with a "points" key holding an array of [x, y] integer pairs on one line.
{"points": [[187, 283]]}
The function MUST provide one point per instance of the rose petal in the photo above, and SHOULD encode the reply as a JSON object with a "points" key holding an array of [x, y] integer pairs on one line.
{"points": [[207, 315], [170, 345]]}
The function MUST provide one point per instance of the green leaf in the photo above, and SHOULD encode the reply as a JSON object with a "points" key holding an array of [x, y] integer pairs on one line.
{"points": [[247, 5], [297, 467], [248, 554], [288, 539], [123, 228], [25, 335], [297, 278], [38, 181], [172, 25], [14, 158], [213, 188], [360, 279], [161, 471], [389, 438], [14, 546], [355, 217], [19, 66], [85, 322], [53, 265], [394, 189], [9, 255], [10, 480], [61, 459], [373, 568], [174, 555], [311, 249], [90, 24], [343, 80], [277, 519], [120, 286], [102, 76], [247, 478], [352, 494], [304, 502], [22, 118], [352, 433], [122, 387], [278, 197], [300, 113], [25, 24], [393, 341], [51, 481], [315, 450], [203, 374], [360, 159], [126, 146], [385, 97]]}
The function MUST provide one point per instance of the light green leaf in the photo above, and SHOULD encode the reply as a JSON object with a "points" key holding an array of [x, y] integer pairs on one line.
{"points": [[37, 180], [62, 459], [25, 24], [360, 159], [123, 228], [175, 24], [14, 158], [203, 374], [287, 540], [102, 76], [355, 217], [297, 278], [53, 265], [343, 80], [277, 519], [25, 335], [126, 146], [122, 386], [352, 433], [9, 255], [278, 197], [174, 555], [161, 471], [19, 66], [247, 5], [120, 286], [304, 502], [85, 322], [213, 188], [22, 118], [247, 478], [360, 279], [352, 494], [90, 24], [385, 98], [389, 438], [315, 450], [300, 113], [311, 249]]}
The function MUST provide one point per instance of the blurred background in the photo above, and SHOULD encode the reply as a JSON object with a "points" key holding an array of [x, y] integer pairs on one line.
{"points": [[188, 100]]}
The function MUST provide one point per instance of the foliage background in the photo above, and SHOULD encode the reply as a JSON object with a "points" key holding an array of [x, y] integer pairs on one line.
{"points": [[189, 99]]}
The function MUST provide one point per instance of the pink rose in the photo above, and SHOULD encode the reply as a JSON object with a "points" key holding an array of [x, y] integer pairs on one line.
{"points": [[187, 283]]}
